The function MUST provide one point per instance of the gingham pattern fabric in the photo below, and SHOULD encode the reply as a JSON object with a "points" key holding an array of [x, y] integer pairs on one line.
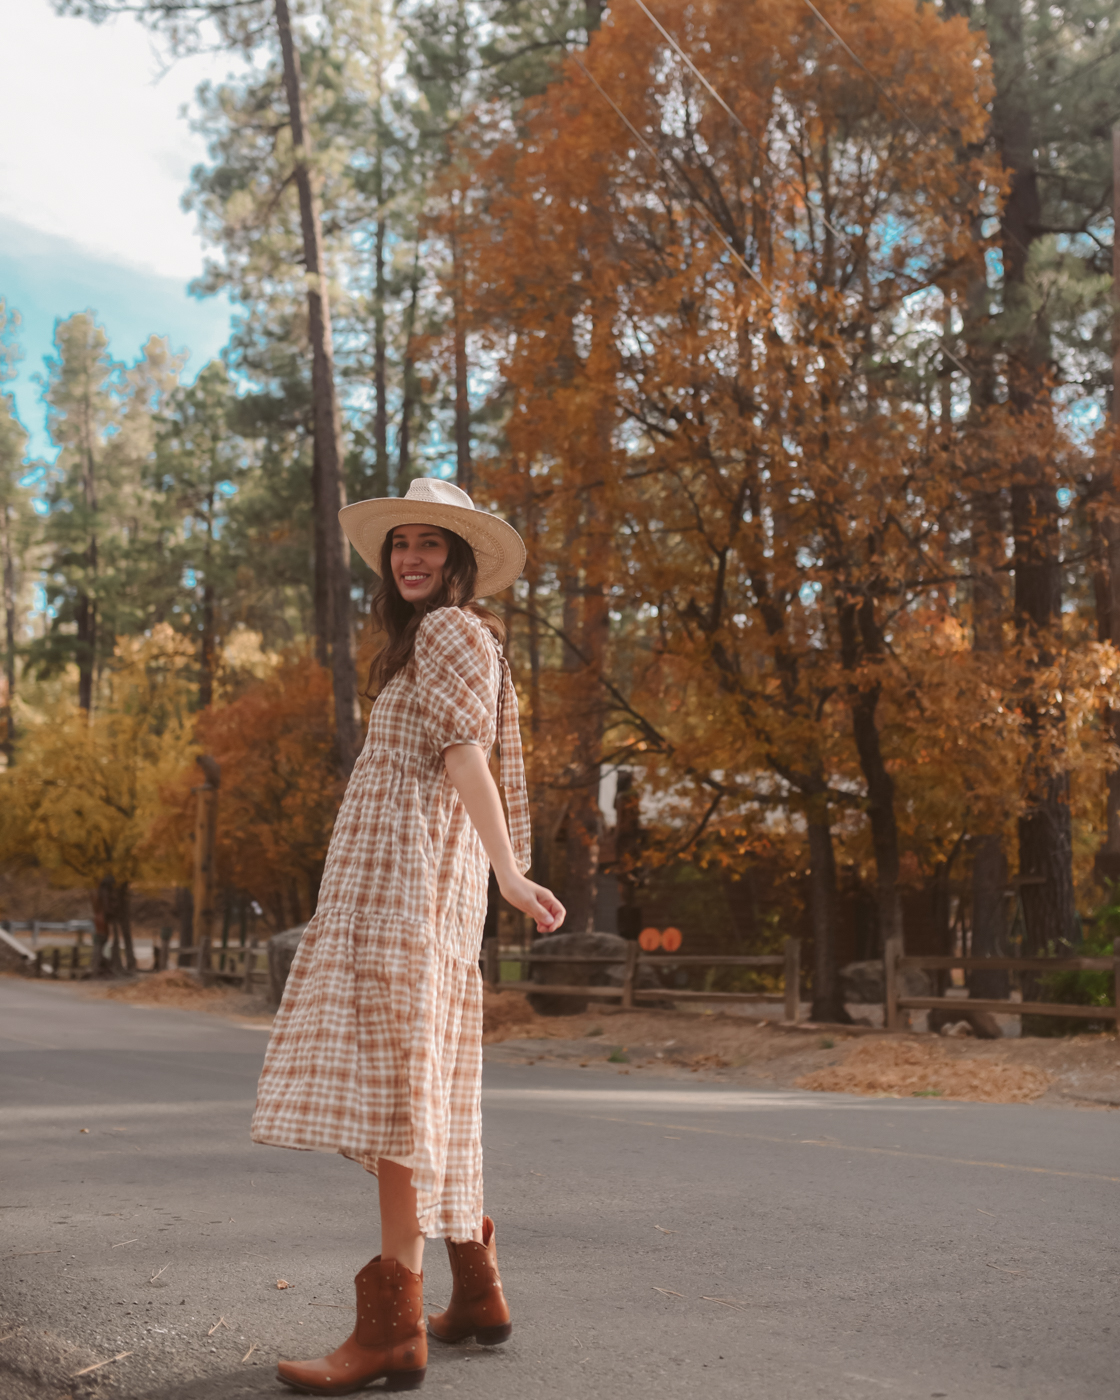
{"points": [[376, 1050]]}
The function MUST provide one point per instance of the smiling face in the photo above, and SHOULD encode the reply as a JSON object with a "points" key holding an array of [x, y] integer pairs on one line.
{"points": [[418, 557]]}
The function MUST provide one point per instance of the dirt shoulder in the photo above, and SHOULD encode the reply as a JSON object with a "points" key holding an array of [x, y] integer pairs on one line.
{"points": [[180, 991], [1083, 1070]]}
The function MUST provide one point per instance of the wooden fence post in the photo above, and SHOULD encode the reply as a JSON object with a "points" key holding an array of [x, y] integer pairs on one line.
{"points": [[76, 958], [204, 961], [892, 951], [491, 973], [630, 973], [792, 950], [56, 961], [38, 962]]}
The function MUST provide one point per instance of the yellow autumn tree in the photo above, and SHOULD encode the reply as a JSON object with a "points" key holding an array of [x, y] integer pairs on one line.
{"points": [[82, 798]]}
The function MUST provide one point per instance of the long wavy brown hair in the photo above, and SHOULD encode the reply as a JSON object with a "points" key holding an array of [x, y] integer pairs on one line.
{"points": [[397, 620]]}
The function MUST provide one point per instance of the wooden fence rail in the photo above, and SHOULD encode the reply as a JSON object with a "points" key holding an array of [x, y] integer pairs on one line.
{"points": [[895, 963], [231, 964], [629, 994]]}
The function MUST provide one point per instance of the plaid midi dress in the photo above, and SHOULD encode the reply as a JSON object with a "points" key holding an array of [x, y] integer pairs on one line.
{"points": [[376, 1050]]}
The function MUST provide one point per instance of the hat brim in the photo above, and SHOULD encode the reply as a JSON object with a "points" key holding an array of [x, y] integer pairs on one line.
{"points": [[498, 549]]}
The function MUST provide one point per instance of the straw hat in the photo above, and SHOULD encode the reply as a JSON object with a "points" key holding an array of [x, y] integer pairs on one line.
{"points": [[498, 547]]}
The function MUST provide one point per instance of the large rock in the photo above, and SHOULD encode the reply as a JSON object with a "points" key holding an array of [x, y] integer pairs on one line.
{"points": [[598, 945], [983, 1024], [865, 983], [281, 950]]}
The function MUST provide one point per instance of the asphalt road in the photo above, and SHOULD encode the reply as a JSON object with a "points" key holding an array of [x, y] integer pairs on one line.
{"points": [[656, 1239]]}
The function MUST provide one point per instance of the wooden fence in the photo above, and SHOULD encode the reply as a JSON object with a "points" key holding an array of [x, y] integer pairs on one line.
{"points": [[629, 994], [236, 964], [37, 926], [897, 963], [60, 962]]}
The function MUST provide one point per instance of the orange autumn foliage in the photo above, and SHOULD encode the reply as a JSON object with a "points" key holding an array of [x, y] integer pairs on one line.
{"points": [[279, 788], [703, 333]]}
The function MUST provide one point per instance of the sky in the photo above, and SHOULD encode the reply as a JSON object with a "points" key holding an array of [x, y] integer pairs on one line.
{"points": [[95, 154]]}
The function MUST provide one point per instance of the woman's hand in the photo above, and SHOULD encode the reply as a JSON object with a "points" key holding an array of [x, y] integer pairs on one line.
{"points": [[540, 904]]}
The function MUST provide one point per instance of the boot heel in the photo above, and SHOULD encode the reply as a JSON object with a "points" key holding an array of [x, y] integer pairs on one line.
{"points": [[494, 1336], [405, 1380]]}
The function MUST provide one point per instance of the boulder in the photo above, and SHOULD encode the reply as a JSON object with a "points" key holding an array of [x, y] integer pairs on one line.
{"points": [[599, 945], [981, 1024], [281, 950], [865, 983]]}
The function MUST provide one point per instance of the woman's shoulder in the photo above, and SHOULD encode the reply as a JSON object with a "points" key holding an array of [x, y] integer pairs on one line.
{"points": [[453, 627]]}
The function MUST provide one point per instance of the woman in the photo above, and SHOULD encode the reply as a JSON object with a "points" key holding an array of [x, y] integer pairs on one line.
{"points": [[376, 1052]]}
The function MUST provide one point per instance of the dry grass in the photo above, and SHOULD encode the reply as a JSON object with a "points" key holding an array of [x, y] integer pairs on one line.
{"points": [[912, 1068], [735, 1049], [507, 1016], [181, 990], [171, 988]]}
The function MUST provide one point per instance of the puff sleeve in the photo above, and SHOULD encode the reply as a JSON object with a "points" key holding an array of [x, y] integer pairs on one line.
{"points": [[456, 680]]}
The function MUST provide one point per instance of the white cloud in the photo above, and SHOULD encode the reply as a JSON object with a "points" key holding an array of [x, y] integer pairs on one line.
{"points": [[94, 147]]}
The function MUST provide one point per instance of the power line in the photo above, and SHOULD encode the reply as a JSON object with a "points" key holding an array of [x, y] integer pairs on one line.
{"points": [[789, 184], [801, 190], [906, 117], [667, 172]]}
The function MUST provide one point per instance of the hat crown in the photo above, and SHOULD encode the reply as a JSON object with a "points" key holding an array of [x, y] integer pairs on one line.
{"points": [[433, 490]]}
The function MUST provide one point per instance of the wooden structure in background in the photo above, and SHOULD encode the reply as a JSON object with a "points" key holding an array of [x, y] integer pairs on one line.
{"points": [[896, 963], [630, 994]]}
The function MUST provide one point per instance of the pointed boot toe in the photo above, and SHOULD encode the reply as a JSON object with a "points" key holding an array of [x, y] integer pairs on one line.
{"points": [[388, 1339]]}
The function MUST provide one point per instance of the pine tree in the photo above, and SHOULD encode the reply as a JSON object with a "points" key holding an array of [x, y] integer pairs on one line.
{"points": [[198, 467], [16, 526]]}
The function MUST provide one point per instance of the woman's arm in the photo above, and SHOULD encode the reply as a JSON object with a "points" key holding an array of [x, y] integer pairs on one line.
{"points": [[467, 768]]}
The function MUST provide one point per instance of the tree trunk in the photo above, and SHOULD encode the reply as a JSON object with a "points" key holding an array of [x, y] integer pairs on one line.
{"points": [[408, 377], [880, 812], [381, 410], [328, 428], [464, 470], [1045, 837], [122, 913], [87, 646], [184, 915], [87, 604], [1045, 829], [585, 621], [989, 862], [206, 679], [989, 915], [209, 647], [1046, 865], [321, 588], [9, 740], [860, 639], [828, 999], [1107, 576]]}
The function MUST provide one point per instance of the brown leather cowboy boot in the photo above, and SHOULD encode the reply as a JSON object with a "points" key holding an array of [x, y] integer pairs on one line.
{"points": [[478, 1306], [388, 1338]]}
